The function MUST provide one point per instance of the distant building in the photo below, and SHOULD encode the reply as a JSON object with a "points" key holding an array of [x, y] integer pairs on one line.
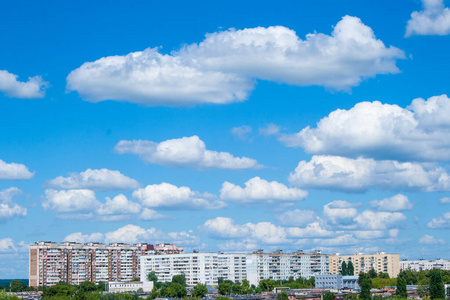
{"points": [[74, 263], [380, 262], [131, 286], [202, 267], [424, 265], [336, 282], [281, 266]]}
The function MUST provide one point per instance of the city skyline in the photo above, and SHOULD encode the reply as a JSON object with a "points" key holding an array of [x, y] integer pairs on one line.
{"points": [[225, 126]]}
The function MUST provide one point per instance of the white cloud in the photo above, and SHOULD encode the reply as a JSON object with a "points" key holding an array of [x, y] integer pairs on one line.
{"points": [[34, 88], [339, 212], [430, 240], [296, 217], [444, 200], [369, 234], [372, 220], [166, 195], [241, 132], [311, 230], [396, 203], [118, 205], [9, 209], [222, 68], [101, 179], [186, 152], [7, 245], [14, 171], [346, 239], [440, 222], [270, 129], [78, 237], [358, 175], [150, 215], [222, 227], [382, 131], [70, 200], [434, 19], [258, 190]]}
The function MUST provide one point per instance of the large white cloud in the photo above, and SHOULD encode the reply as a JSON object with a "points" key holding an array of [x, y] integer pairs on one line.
{"points": [[70, 200], [258, 190], [382, 131], [14, 171], [101, 179], [372, 220], [118, 205], [221, 68], [434, 19], [357, 175], [296, 217], [440, 222], [186, 152], [166, 195], [396, 203], [339, 212], [9, 209], [312, 230], [150, 215], [430, 240], [33, 88]]}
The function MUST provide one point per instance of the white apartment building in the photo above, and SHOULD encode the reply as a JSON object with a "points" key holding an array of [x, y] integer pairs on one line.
{"points": [[424, 265], [380, 262], [281, 266], [203, 267]]}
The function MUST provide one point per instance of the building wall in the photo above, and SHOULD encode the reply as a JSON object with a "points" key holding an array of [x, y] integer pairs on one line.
{"points": [[381, 262], [419, 265]]}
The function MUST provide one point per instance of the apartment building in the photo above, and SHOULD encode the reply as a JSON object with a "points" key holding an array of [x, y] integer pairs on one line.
{"points": [[280, 266], [424, 265], [74, 263], [202, 267], [380, 262]]}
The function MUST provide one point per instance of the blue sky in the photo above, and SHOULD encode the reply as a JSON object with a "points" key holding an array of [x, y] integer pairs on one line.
{"points": [[225, 126]]}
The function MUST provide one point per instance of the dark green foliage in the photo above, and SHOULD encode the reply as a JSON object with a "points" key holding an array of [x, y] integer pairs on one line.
{"points": [[401, 287], [152, 276], [437, 290], [180, 279], [88, 286], [17, 286], [377, 297], [344, 268], [350, 269], [329, 296], [224, 288], [282, 296], [200, 290], [173, 290], [383, 275], [222, 298], [267, 285], [372, 273], [365, 283]]}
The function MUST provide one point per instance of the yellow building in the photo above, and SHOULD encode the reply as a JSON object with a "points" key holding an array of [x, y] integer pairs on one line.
{"points": [[381, 262]]}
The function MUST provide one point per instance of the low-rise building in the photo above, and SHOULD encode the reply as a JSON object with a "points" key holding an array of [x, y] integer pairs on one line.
{"points": [[380, 262], [131, 286], [336, 282]]}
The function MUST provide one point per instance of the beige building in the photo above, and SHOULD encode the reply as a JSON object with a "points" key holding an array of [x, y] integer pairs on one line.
{"points": [[381, 262], [74, 263]]}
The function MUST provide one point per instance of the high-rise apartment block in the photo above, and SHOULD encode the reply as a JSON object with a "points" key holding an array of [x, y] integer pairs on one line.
{"points": [[380, 262], [424, 265], [280, 266], [74, 263], [203, 267]]}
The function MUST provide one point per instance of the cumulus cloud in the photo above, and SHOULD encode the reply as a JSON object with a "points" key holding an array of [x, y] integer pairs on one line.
{"points": [[14, 171], [270, 129], [396, 203], [312, 230], [222, 227], [222, 68], [7, 245], [258, 190], [118, 205], [440, 222], [131, 234], [187, 152], [382, 131], [70, 200], [339, 212], [361, 174], [430, 240], [444, 200], [101, 179], [166, 195], [372, 220], [434, 19], [296, 217], [241, 132], [33, 88], [9, 209], [150, 215]]}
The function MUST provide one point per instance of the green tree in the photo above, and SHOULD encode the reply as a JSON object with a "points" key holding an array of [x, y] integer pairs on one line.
{"points": [[329, 296], [384, 275], [365, 283], [350, 269], [344, 268], [152, 276], [180, 279], [222, 298], [437, 290], [267, 285], [17, 286], [401, 287], [372, 273], [87, 286], [200, 290], [224, 288], [282, 296]]}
